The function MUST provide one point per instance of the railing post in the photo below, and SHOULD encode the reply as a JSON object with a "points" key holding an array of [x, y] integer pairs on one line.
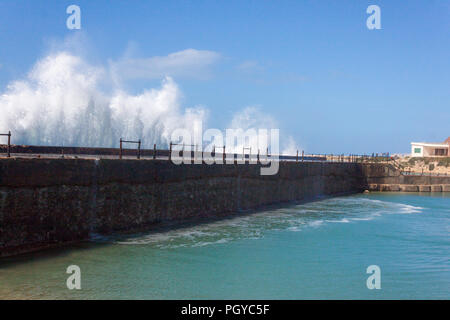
{"points": [[139, 149], [257, 159], [303, 155], [9, 144], [296, 158], [170, 151], [195, 152], [120, 152], [224, 155], [154, 151]]}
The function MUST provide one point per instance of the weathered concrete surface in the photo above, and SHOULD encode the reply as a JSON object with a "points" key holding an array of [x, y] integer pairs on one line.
{"points": [[382, 177], [409, 188], [45, 202], [436, 188], [387, 174]]}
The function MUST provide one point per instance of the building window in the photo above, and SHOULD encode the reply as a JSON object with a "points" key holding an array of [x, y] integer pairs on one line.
{"points": [[417, 150], [440, 152]]}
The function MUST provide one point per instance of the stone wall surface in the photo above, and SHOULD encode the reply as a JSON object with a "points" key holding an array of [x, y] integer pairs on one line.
{"points": [[382, 177], [46, 202]]}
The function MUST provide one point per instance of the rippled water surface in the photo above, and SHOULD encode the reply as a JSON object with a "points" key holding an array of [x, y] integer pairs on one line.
{"points": [[316, 250]]}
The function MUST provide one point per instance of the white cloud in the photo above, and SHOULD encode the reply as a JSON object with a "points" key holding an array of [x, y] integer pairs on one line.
{"points": [[187, 63], [250, 66]]}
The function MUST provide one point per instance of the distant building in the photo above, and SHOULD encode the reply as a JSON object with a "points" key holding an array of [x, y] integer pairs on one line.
{"points": [[429, 149]]}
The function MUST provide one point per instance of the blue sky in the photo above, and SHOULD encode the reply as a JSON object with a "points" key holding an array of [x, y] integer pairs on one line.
{"points": [[331, 84]]}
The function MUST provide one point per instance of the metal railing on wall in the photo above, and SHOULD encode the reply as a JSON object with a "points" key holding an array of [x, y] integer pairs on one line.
{"points": [[9, 142], [194, 151], [130, 141]]}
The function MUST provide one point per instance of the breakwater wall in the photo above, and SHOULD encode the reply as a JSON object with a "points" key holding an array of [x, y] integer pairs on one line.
{"points": [[47, 202], [388, 178]]}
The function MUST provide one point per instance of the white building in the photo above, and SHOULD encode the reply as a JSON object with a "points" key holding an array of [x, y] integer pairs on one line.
{"points": [[428, 149]]}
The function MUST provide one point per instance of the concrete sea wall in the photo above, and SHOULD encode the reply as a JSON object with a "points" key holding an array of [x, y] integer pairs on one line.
{"points": [[387, 178], [47, 202]]}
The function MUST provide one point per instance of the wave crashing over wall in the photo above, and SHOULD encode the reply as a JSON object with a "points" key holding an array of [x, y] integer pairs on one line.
{"points": [[64, 101], [61, 102]]}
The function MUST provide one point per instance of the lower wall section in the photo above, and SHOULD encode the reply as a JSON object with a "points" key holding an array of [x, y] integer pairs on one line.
{"points": [[409, 187], [46, 202], [382, 177]]}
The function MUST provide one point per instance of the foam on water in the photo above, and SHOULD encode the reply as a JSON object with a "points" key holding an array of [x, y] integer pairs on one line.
{"points": [[254, 226], [405, 208]]}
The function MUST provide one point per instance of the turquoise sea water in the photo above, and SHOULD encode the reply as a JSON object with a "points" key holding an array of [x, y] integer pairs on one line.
{"points": [[319, 250]]}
